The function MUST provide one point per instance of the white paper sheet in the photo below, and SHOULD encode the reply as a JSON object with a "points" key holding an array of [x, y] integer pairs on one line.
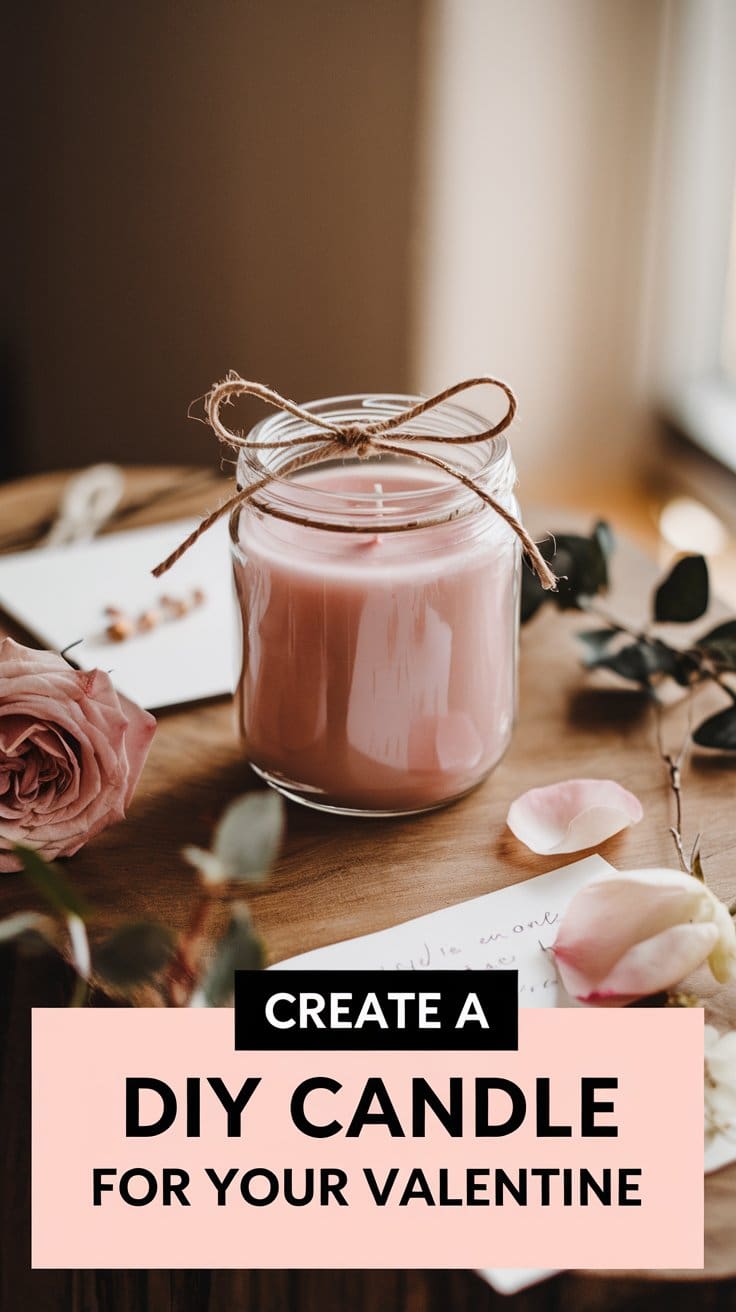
{"points": [[59, 594], [508, 929]]}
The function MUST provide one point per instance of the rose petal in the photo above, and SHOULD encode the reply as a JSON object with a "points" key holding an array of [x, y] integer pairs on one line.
{"points": [[625, 936], [71, 752], [572, 815], [613, 912], [648, 967], [138, 735]]}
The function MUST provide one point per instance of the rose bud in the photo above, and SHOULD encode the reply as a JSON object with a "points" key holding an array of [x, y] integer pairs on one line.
{"points": [[627, 936]]}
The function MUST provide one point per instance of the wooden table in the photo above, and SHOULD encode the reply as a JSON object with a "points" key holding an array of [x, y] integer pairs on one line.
{"points": [[339, 877]]}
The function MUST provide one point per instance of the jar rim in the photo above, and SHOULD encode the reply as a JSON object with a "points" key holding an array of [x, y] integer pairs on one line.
{"points": [[489, 462]]}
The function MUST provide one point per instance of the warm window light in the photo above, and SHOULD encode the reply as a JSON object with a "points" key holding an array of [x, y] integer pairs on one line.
{"points": [[688, 525]]}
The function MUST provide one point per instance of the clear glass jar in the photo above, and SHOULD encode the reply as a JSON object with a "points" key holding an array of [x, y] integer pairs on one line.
{"points": [[379, 654]]}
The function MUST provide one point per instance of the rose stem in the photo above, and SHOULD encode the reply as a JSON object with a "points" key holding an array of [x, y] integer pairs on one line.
{"points": [[181, 974]]}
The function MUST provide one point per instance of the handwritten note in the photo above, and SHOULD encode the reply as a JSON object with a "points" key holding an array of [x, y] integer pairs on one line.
{"points": [[509, 929]]}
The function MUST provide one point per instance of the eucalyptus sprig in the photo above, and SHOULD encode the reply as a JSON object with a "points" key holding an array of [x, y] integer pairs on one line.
{"points": [[136, 954], [643, 655]]}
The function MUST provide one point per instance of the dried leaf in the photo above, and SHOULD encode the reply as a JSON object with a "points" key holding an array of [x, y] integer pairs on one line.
{"points": [[133, 954], [683, 595], [48, 880], [696, 862], [239, 949]]}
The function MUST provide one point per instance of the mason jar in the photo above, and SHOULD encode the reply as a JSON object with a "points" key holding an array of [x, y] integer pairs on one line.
{"points": [[379, 600]]}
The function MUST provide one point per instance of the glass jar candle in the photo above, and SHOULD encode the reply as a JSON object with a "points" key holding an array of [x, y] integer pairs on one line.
{"points": [[379, 648]]}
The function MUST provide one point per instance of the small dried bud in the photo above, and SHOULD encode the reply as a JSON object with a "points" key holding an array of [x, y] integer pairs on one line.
{"points": [[119, 630], [148, 620], [175, 607]]}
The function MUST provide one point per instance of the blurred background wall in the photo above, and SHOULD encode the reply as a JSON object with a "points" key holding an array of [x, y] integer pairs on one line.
{"points": [[197, 185], [538, 159], [336, 195]]}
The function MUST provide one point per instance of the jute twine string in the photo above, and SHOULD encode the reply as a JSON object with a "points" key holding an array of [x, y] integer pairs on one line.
{"points": [[361, 439]]}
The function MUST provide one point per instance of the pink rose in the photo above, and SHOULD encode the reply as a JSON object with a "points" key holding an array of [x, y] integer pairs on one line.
{"points": [[71, 753], [627, 936]]}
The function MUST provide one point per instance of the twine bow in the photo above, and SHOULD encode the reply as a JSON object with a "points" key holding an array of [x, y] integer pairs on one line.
{"points": [[361, 439]]}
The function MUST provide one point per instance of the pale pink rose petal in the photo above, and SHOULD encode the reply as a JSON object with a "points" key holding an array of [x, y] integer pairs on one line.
{"points": [[612, 912], [651, 966], [572, 815], [629, 935]]}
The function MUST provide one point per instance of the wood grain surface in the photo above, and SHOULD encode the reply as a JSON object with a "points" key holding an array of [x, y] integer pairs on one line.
{"points": [[339, 877]]}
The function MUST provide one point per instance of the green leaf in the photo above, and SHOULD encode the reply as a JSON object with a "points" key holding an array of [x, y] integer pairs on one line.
{"points": [[133, 954], [47, 879], [683, 595], [247, 837], [596, 643], [533, 595], [26, 923], [584, 564], [718, 731], [603, 533], [239, 949], [639, 661], [209, 866], [685, 668], [631, 662], [720, 644], [581, 565]]}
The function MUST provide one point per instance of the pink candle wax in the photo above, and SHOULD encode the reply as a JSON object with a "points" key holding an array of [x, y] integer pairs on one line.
{"points": [[379, 669]]}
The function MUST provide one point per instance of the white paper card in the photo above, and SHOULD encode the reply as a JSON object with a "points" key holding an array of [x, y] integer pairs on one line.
{"points": [[508, 929], [59, 594]]}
